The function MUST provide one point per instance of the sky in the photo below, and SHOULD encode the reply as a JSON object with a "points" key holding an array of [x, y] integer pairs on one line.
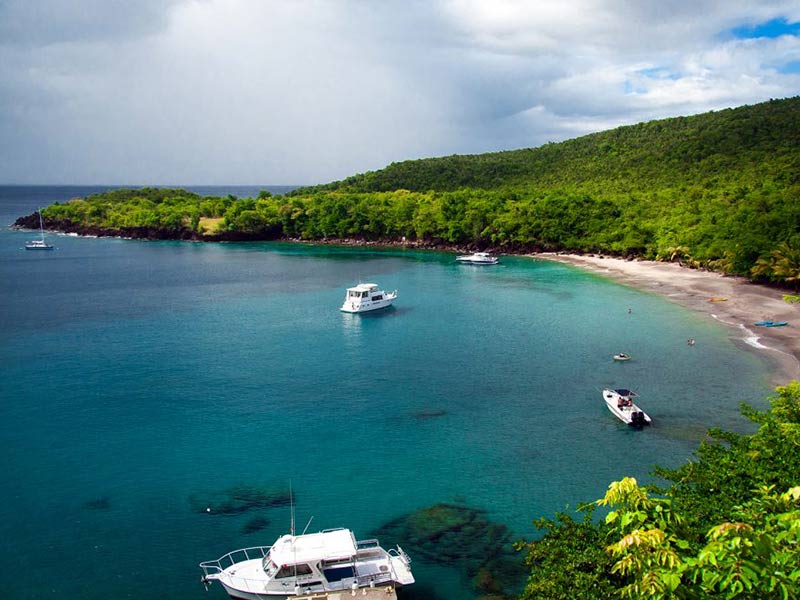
{"points": [[285, 92]]}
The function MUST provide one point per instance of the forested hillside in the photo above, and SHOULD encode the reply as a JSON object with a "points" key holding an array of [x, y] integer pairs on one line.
{"points": [[746, 145], [719, 190]]}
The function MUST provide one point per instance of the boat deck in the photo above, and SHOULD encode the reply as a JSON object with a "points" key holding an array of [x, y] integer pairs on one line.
{"points": [[376, 593]]}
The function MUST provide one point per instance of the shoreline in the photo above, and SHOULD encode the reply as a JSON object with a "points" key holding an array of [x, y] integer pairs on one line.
{"points": [[692, 289], [745, 303]]}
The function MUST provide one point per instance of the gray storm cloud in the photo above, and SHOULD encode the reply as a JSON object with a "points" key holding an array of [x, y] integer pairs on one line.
{"points": [[283, 92]]}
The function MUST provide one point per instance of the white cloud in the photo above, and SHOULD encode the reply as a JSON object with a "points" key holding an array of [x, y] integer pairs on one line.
{"points": [[282, 91]]}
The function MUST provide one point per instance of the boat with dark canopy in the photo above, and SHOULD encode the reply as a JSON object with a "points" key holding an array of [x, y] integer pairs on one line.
{"points": [[620, 403]]}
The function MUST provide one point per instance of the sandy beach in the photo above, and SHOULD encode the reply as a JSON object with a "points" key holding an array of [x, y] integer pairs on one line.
{"points": [[744, 303]]}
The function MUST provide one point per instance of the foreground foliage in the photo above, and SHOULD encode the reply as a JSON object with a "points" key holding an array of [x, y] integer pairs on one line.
{"points": [[727, 527], [718, 190]]}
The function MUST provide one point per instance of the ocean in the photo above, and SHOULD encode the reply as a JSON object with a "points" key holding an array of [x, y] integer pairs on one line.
{"points": [[143, 382]]}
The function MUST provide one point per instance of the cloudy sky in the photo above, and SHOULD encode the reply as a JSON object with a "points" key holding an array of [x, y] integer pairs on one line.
{"points": [[303, 91]]}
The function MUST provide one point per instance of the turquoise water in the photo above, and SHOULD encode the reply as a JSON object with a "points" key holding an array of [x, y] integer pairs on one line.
{"points": [[139, 378]]}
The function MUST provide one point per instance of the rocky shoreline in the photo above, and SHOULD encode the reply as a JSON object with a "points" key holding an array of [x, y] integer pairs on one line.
{"points": [[188, 235]]}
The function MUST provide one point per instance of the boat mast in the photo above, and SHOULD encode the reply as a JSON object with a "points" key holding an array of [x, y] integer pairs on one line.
{"points": [[41, 225]]}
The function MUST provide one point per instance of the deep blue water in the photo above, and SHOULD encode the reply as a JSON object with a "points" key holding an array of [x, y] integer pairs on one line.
{"points": [[139, 378]]}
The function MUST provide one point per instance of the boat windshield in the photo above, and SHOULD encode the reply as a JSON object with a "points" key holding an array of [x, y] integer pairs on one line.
{"points": [[292, 570], [270, 568]]}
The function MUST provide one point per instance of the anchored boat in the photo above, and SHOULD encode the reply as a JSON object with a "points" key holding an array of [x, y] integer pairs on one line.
{"points": [[620, 403], [365, 297], [315, 563], [39, 244], [477, 258]]}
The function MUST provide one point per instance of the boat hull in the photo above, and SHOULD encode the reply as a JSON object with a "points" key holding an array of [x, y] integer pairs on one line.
{"points": [[370, 305], [240, 595], [479, 263]]}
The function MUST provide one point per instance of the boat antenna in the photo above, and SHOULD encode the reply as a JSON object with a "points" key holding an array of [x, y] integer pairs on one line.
{"points": [[307, 524], [291, 510], [291, 530]]}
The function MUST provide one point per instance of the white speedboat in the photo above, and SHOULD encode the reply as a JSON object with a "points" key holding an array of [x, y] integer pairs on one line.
{"points": [[315, 563], [40, 244], [620, 403], [365, 297], [477, 258], [622, 356]]}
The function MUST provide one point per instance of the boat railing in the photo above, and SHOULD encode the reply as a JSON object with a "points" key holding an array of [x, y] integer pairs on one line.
{"points": [[401, 554], [374, 579], [211, 567], [363, 544]]}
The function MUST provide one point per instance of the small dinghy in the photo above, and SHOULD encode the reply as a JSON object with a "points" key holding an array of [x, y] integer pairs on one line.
{"points": [[620, 403], [771, 323], [622, 357]]}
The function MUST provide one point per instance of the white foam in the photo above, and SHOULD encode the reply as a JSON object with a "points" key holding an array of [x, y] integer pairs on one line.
{"points": [[750, 338]]}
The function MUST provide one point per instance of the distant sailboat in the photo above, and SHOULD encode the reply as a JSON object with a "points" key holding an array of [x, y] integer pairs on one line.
{"points": [[39, 244]]}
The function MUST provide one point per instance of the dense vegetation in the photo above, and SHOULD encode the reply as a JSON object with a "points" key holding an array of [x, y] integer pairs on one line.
{"points": [[728, 526], [718, 190]]}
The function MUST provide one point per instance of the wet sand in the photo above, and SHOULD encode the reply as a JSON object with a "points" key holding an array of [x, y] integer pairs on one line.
{"points": [[744, 304]]}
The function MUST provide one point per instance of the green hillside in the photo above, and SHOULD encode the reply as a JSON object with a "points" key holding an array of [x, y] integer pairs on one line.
{"points": [[719, 190], [751, 142]]}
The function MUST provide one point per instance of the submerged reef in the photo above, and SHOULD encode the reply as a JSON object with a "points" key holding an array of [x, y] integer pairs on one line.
{"points": [[103, 503], [238, 499], [255, 524], [429, 414], [460, 536]]}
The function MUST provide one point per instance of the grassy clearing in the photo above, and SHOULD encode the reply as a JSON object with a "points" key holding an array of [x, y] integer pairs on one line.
{"points": [[210, 225]]}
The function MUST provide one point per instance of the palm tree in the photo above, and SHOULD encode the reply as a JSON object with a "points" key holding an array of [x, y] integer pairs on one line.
{"points": [[764, 268], [787, 263]]}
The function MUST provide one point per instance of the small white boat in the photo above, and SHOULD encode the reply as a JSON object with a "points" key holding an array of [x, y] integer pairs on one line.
{"points": [[477, 258], [315, 563], [40, 244], [622, 356], [620, 403], [365, 297]]}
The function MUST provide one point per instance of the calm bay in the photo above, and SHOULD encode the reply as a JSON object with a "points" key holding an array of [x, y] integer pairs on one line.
{"points": [[141, 380]]}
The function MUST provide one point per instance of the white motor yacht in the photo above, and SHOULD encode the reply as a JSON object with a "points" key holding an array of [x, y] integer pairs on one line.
{"points": [[620, 403], [315, 563], [477, 258], [365, 297]]}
